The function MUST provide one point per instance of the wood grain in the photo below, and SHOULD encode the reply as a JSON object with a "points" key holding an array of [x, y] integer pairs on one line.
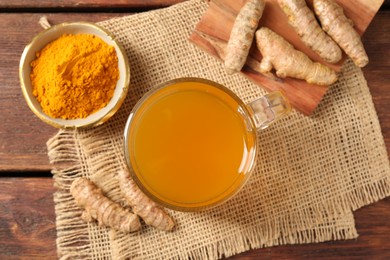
{"points": [[213, 30], [27, 228], [77, 4], [377, 71], [101, 4], [27, 219]]}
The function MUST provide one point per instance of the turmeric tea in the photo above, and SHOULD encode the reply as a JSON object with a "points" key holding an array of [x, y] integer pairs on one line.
{"points": [[74, 76]]}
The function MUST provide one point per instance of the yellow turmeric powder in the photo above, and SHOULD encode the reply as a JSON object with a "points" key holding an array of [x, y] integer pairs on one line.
{"points": [[74, 76]]}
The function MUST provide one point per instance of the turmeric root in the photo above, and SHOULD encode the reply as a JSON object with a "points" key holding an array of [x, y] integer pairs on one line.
{"points": [[242, 34], [340, 28], [220, 49], [144, 207], [305, 24], [98, 207], [287, 61]]}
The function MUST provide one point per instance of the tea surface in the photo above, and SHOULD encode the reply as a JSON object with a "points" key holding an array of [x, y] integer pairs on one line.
{"points": [[191, 144]]}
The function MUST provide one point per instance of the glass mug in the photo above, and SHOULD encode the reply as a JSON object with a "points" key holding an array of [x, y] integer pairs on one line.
{"points": [[191, 143]]}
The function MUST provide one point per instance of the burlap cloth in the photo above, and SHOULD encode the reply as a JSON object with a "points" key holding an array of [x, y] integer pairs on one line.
{"points": [[311, 173]]}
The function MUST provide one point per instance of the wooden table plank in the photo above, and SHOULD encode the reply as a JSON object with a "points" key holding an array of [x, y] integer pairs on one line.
{"points": [[12, 4], [27, 228], [23, 136], [377, 43], [73, 4], [27, 219]]}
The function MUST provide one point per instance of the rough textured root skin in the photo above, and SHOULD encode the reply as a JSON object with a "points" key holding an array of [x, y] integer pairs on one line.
{"points": [[289, 62], [302, 19], [242, 34], [220, 48], [256, 66], [340, 28], [144, 207], [98, 207]]}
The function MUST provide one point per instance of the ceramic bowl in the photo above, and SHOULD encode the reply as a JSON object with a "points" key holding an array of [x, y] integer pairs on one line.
{"points": [[53, 33]]}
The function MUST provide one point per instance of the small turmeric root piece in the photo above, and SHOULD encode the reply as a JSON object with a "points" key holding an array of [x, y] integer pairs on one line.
{"points": [[302, 19], [340, 28], [98, 207], [289, 62], [241, 36], [144, 207]]}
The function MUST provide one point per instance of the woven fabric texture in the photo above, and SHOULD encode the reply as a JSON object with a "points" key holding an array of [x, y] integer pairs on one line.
{"points": [[311, 173]]}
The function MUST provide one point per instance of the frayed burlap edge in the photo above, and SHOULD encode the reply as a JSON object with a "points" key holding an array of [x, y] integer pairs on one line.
{"points": [[341, 228], [74, 238]]}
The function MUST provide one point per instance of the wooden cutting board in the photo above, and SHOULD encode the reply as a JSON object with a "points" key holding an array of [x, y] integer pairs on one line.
{"points": [[213, 30]]}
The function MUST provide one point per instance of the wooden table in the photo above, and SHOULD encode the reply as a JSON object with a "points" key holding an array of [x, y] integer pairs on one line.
{"points": [[27, 219]]}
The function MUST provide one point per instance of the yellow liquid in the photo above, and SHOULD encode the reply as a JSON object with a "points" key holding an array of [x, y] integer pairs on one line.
{"points": [[190, 146]]}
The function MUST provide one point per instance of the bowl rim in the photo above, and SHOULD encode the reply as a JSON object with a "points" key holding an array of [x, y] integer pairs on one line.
{"points": [[99, 120]]}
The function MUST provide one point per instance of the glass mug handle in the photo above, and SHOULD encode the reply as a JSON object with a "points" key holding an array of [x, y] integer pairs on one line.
{"points": [[268, 109]]}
